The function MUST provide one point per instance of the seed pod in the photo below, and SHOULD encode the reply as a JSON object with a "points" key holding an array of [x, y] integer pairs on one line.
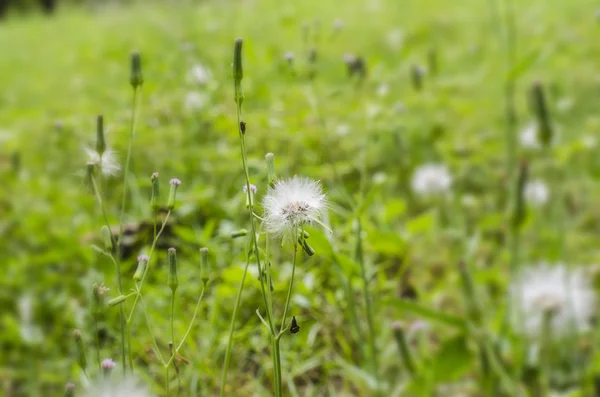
{"points": [[118, 300], [238, 70], [239, 233], [141, 267], [172, 192]]}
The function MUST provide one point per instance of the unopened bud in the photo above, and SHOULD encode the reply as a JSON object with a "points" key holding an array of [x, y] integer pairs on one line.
{"points": [[172, 192], [519, 208], [306, 247], [271, 175], [238, 70], [81, 358], [417, 73], [155, 192], [89, 176], [107, 238], [239, 233], [100, 142], [172, 281], [398, 328], [98, 290], [542, 114], [204, 265], [116, 301], [141, 267], [249, 196], [136, 78]]}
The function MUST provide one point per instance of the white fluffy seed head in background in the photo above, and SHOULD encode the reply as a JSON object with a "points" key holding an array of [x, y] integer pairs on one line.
{"points": [[123, 388], [567, 293], [107, 163], [431, 179], [536, 193], [291, 204]]}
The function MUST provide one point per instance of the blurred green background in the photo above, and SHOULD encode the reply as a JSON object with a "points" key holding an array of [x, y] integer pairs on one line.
{"points": [[361, 138]]}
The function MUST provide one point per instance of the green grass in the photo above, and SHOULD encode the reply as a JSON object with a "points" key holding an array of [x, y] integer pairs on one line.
{"points": [[57, 74]]}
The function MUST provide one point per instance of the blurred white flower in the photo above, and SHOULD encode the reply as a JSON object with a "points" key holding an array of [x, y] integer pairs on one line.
{"points": [[123, 388], [383, 89], [529, 137], [292, 204], [589, 141], [431, 179], [342, 129], [536, 193], [338, 24], [395, 38], [566, 292], [199, 74], [107, 163], [195, 100]]}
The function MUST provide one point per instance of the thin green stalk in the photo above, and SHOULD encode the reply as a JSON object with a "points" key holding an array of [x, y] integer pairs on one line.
{"points": [[172, 317], [289, 292], [187, 332], [97, 340], [118, 271], [369, 309], [238, 300], [167, 388]]}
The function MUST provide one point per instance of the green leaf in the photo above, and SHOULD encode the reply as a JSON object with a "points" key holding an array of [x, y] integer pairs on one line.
{"points": [[427, 313], [422, 224], [453, 360], [387, 243]]}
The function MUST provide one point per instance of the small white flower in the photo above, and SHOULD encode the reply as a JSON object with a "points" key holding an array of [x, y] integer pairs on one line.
{"points": [[536, 193], [431, 179], [195, 100], [342, 129], [107, 163], [123, 388], [199, 74], [567, 293], [383, 89], [292, 204]]}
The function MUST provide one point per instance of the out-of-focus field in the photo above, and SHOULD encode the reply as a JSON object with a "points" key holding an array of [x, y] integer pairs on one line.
{"points": [[362, 139]]}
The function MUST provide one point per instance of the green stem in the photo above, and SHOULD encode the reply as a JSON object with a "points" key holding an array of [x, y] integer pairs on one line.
{"points": [[369, 309], [187, 332], [172, 317], [238, 300], [167, 388], [97, 339], [289, 292]]}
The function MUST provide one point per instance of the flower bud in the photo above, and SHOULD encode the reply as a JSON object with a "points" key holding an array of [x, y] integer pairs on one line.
{"points": [[155, 192], [542, 114], [136, 77], [405, 353], [172, 281], [89, 176], [271, 175], [416, 74], [249, 196], [310, 251], [172, 192], [116, 301], [107, 366], [141, 267], [519, 208], [239, 233], [70, 389], [107, 238], [238, 70], [100, 142], [204, 266], [81, 359], [98, 290]]}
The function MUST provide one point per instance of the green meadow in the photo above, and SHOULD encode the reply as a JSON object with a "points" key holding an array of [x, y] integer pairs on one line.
{"points": [[444, 242]]}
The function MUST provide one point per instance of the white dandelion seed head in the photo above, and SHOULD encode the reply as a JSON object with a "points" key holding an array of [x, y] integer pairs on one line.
{"points": [[567, 293], [123, 388], [107, 163], [536, 193], [431, 179], [200, 74], [293, 203]]}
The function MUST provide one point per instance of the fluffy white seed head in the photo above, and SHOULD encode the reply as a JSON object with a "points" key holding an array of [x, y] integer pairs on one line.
{"points": [[292, 204], [536, 193], [431, 179], [123, 388], [107, 163], [566, 293]]}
